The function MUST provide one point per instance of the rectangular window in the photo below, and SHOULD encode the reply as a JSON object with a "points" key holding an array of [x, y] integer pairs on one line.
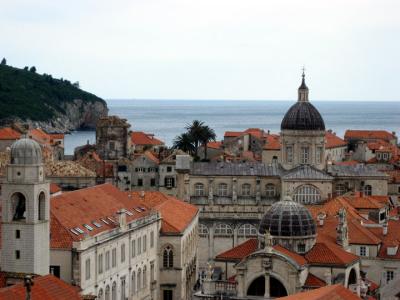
{"points": [[169, 169], [18, 234], [305, 155], [144, 243], [133, 248], [152, 182], [151, 272], [169, 182], [140, 182], [55, 270], [114, 258], [107, 260], [139, 246], [87, 269], [289, 154], [122, 253], [152, 239], [100, 260], [389, 276], [167, 295], [318, 155], [17, 254], [112, 145], [363, 251]]}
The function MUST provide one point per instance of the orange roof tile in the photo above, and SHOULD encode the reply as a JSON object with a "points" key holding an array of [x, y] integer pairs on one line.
{"points": [[331, 292], [46, 287], [214, 145], [76, 208], [368, 134], [239, 252], [176, 215], [141, 138], [346, 163], [232, 133], [272, 142], [328, 253], [150, 155], [333, 141], [39, 136], [54, 188], [391, 239], [296, 257], [313, 281], [7, 133], [57, 136]]}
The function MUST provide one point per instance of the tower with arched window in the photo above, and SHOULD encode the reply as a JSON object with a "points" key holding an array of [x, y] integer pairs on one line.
{"points": [[25, 211]]}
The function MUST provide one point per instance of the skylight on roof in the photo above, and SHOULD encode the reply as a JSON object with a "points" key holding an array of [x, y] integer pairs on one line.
{"points": [[88, 227], [128, 213], [74, 232], [79, 230], [142, 208], [138, 209], [104, 221], [98, 225], [111, 219]]}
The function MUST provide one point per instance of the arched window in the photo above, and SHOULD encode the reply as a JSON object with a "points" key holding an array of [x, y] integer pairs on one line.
{"points": [[246, 189], [199, 189], [114, 291], [340, 189], [18, 206], [223, 190], [100, 296], [144, 277], [133, 288], [41, 206], [368, 190], [307, 194], [203, 229], [107, 293], [247, 230], [223, 229], [168, 257], [270, 190], [139, 280]]}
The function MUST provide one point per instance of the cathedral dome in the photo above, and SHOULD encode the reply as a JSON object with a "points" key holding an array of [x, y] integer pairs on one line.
{"points": [[26, 152], [303, 115], [288, 219]]}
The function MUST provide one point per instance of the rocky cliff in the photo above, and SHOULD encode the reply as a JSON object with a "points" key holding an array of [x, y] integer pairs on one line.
{"points": [[56, 105]]}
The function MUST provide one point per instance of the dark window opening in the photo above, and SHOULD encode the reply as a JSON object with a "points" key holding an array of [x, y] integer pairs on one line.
{"points": [[17, 254], [167, 295], [18, 234], [140, 182], [55, 270]]}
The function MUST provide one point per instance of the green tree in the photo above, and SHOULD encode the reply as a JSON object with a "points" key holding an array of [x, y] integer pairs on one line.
{"points": [[4, 61], [33, 69], [195, 130], [207, 135], [26, 68], [184, 142]]}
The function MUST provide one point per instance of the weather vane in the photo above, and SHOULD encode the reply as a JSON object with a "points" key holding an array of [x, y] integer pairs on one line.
{"points": [[303, 69]]}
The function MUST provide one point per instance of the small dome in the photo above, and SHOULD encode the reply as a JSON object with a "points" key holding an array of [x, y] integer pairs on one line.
{"points": [[287, 219], [303, 116], [26, 152]]}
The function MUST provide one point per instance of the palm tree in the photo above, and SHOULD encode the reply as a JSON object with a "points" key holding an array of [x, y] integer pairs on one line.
{"points": [[184, 142], [195, 130], [207, 135]]}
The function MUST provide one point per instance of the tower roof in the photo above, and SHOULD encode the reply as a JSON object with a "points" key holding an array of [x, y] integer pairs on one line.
{"points": [[26, 152]]}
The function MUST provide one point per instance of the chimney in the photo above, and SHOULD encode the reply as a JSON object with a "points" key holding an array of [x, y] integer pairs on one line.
{"points": [[142, 194], [321, 218], [342, 235], [385, 228], [121, 218]]}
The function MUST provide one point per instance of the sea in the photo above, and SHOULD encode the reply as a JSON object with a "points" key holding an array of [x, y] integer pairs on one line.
{"points": [[168, 118]]}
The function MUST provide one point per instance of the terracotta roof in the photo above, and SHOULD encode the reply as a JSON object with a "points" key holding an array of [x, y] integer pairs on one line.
{"points": [[333, 141], [256, 132], [150, 155], [391, 239], [239, 252], [325, 252], [232, 133], [346, 163], [46, 287], [57, 136], [331, 292], [313, 281], [214, 145], [176, 215], [66, 168], [359, 201], [54, 188], [394, 175], [296, 257], [141, 138], [7, 133], [39, 136], [368, 134], [272, 142], [85, 206]]}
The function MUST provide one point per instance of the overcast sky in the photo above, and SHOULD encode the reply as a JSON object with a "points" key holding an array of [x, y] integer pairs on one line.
{"points": [[210, 49]]}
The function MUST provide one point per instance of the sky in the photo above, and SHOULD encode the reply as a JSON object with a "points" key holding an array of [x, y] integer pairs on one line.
{"points": [[210, 49]]}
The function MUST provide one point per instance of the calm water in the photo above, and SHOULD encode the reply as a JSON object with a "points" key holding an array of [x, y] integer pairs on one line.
{"points": [[167, 118]]}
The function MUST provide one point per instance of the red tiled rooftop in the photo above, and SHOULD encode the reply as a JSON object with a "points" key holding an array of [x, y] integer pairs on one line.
{"points": [[54, 188], [296, 257], [7, 133], [330, 292], [141, 138], [232, 133], [46, 287], [394, 175], [214, 145], [333, 141], [152, 157], [327, 253], [176, 214], [313, 281], [239, 252], [368, 134], [272, 142]]}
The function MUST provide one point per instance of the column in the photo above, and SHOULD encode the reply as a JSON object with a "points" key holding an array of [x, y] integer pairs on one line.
{"points": [[210, 191], [234, 190], [258, 190], [211, 241], [235, 235], [267, 292]]}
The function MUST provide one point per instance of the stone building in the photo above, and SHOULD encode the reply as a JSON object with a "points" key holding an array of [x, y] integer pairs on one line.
{"points": [[112, 137]]}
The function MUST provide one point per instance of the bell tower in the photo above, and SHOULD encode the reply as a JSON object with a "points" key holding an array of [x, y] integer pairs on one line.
{"points": [[25, 230]]}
